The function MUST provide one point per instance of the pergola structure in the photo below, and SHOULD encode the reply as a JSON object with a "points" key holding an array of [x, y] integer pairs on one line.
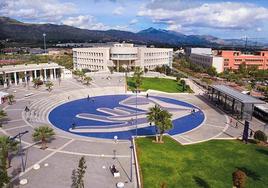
{"points": [[27, 72], [233, 101]]}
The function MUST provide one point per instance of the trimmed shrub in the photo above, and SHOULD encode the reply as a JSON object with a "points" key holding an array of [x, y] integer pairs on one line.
{"points": [[261, 136], [239, 179], [163, 185]]}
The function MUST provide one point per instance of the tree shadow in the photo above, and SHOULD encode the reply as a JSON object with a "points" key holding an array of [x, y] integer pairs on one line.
{"points": [[14, 173], [250, 173], [263, 151], [252, 141], [201, 182]]}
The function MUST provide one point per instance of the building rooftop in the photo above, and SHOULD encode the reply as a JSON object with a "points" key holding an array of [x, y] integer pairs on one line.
{"points": [[263, 107], [237, 95], [26, 67]]}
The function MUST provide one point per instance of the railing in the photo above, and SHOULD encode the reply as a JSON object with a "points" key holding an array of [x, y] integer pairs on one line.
{"points": [[136, 164], [124, 56]]}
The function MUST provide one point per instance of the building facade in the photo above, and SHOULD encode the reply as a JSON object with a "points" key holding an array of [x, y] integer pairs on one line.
{"points": [[205, 58], [24, 73], [121, 55], [232, 59]]}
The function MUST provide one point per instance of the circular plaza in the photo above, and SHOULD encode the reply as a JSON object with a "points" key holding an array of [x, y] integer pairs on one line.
{"points": [[123, 116]]}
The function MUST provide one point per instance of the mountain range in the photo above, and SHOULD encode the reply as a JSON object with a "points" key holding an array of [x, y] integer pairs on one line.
{"points": [[19, 32]]}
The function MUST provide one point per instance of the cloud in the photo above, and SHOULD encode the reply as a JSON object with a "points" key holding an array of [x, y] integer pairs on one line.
{"points": [[133, 21], [85, 22], [223, 15], [118, 11], [259, 29], [49, 10]]}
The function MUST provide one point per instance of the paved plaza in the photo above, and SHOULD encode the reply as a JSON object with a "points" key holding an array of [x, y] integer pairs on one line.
{"points": [[65, 150]]}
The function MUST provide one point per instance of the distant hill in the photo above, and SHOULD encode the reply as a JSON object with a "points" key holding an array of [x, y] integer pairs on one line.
{"points": [[20, 32]]}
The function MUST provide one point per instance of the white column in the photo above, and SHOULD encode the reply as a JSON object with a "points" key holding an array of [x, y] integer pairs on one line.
{"points": [[55, 76], [35, 74], [31, 76], [25, 77], [20, 79], [9, 78], [61, 73], [51, 74], [15, 78], [45, 74], [117, 65], [5, 80]]}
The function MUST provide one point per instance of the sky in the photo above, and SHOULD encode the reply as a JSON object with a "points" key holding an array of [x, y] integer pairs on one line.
{"points": [[220, 18]]}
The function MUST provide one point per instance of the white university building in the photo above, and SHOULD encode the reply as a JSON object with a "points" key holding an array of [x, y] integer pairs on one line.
{"points": [[124, 54], [204, 57]]}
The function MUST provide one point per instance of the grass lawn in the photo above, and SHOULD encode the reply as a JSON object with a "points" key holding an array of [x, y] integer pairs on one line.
{"points": [[160, 84], [208, 164]]}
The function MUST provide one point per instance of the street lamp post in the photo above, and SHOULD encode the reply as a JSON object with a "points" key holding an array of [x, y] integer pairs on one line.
{"points": [[19, 135], [136, 112], [44, 35], [115, 141], [131, 164]]}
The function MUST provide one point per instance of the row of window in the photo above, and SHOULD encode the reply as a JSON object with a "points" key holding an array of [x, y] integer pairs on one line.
{"points": [[91, 67], [251, 60], [124, 55], [155, 60], [97, 54], [89, 60], [155, 54], [200, 58]]}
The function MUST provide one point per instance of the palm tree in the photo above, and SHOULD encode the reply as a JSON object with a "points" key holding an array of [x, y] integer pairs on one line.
{"points": [[10, 98], [164, 123], [22, 75], [3, 114], [79, 174], [43, 134], [138, 72], [153, 117], [7, 145], [87, 79], [49, 84], [36, 82], [81, 75]]}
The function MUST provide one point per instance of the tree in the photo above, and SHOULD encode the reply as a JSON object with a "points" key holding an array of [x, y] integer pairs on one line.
{"points": [[3, 114], [37, 82], [153, 117], [4, 179], [43, 134], [212, 71], [260, 136], [10, 98], [7, 146], [138, 72], [82, 75], [242, 69], [79, 174], [164, 123], [49, 84], [22, 74], [87, 79], [239, 179], [178, 79], [183, 83]]}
